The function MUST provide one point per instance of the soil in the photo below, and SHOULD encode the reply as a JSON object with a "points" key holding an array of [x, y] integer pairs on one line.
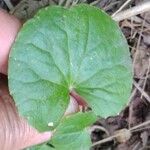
{"points": [[137, 33]]}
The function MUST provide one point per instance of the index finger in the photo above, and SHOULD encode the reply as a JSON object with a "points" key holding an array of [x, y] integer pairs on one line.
{"points": [[9, 27]]}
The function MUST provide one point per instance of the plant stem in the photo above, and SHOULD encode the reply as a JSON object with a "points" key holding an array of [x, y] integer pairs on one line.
{"points": [[80, 100]]}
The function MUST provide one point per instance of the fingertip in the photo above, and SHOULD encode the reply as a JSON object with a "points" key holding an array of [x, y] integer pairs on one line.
{"points": [[36, 139], [46, 136]]}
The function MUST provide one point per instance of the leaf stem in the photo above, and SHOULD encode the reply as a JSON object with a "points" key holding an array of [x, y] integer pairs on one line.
{"points": [[80, 100]]}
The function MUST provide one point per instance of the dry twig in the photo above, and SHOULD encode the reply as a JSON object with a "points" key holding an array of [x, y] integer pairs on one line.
{"points": [[9, 4], [123, 6], [147, 74], [110, 138], [142, 92], [138, 43], [141, 8]]}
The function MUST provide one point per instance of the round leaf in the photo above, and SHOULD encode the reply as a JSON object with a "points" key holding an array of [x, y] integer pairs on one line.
{"points": [[60, 50]]}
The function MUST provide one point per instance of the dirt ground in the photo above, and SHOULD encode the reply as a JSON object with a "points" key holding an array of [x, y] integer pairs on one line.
{"points": [[137, 32]]}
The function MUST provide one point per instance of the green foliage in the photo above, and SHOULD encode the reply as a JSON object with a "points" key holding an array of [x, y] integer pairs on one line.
{"points": [[72, 133], [61, 49]]}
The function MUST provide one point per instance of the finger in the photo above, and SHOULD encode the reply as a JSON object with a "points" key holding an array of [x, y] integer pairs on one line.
{"points": [[36, 139], [15, 132], [9, 27]]}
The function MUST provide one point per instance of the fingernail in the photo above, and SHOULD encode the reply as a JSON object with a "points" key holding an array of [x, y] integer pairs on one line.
{"points": [[46, 136]]}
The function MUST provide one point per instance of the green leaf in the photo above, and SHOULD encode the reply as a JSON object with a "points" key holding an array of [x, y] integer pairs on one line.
{"points": [[61, 49], [41, 147], [72, 132]]}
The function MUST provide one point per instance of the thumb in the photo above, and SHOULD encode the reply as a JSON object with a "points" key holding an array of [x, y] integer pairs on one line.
{"points": [[15, 132], [33, 138]]}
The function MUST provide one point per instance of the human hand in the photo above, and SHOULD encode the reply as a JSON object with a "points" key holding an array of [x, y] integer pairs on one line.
{"points": [[9, 27], [15, 132]]}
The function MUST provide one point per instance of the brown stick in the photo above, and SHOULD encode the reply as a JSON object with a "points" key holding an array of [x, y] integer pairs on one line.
{"points": [[141, 8]]}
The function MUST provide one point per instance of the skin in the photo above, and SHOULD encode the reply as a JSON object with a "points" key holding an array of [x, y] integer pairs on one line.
{"points": [[9, 27], [15, 132]]}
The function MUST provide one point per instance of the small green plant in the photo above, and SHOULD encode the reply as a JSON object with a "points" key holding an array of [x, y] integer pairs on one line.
{"points": [[62, 51]]}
